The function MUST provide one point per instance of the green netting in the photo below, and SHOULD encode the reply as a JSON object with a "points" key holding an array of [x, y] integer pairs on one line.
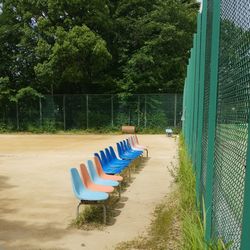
{"points": [[67, 112], [232, 120], [222, 89]]}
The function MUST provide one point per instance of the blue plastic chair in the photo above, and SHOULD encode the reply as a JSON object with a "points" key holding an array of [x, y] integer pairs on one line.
{"points": [[130, 147], [123, 154], [113, 161], [106, 168], [96, 179], [85, 195], [110, 164], [113, 155], [130, 150]]}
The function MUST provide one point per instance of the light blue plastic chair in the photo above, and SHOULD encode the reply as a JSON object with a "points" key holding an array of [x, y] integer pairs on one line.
{"points": [[87, 196], [96, 179]]}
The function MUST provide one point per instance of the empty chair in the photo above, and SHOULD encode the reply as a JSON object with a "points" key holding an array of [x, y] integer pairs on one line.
{"points": [[85, 195], [123, 154], [110, 164], [113, 155], [97, 179], [89, 183], [114, 161], [135, 142], [106, 168], [102, 174], [129, 148]]}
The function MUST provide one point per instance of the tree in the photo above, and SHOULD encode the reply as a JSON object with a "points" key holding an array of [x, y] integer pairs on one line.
{"points": [[156, 54], [75, 60]]}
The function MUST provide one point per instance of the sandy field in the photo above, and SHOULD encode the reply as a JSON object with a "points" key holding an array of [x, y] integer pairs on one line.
{"points": [[37, 202]]}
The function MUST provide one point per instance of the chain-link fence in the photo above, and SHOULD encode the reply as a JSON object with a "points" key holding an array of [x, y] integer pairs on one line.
{"points": [[68, 112], [217, 89]]}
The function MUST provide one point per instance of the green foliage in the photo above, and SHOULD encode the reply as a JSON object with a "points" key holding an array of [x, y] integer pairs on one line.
{"points": [[192, 225], [90, 218], [160, 234], [77, 55], [27, 92], [95, 46]]}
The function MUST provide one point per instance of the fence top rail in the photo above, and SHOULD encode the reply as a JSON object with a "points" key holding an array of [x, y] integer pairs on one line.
{"points": [[154, 94]]}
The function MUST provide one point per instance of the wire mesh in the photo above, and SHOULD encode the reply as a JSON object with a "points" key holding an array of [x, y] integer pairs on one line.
{"points": [[232, 121], [230, 143], [69, 112]]}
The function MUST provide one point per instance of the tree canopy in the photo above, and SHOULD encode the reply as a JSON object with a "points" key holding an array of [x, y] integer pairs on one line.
{"points": [[97, 46]]}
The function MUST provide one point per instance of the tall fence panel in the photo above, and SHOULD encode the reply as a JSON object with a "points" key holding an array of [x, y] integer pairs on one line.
{"points": [[222, 166], [92, 111]]}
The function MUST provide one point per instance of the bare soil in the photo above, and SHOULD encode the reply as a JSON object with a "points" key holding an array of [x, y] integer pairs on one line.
{"points": [[37, 203]]}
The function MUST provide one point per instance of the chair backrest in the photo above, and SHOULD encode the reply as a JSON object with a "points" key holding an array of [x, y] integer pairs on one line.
{"points": [[77, 184], [119, 149], [131, 141], [86, 179], [105, 161], [98, 166], [125, 146], [128, 144], [108, 154], [136, 139], [112, 152], [92, 170]]}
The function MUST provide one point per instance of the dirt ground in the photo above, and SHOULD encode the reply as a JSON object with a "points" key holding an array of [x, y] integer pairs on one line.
{"points": [[36, 199]]}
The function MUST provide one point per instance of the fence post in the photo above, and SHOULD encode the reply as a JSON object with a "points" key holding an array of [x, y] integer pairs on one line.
{"points": [[175, 109], [212, 115], [138, 112], [112, 110], [64, 113], [246, 208], [145, 112], [201, 95], [17, 116], [40, 112], [87, 111]]}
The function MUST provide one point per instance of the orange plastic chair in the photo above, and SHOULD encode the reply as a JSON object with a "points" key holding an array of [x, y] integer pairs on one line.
{"points": [[101, 173], [90, 184]]}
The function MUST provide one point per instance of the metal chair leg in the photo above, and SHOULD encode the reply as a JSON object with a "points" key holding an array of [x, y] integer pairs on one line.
{"points": [[129, 174], [77, 209], [119, 190], [104, 214]]}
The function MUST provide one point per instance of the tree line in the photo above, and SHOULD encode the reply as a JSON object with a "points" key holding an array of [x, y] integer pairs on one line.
{"points": [[94, 46]]}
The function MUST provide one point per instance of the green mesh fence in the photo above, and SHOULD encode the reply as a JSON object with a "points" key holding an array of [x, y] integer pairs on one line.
{"points": [[69, 112], [217, 89]]}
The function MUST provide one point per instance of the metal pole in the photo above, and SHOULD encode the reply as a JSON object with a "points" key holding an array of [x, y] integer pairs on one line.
{"points": [[112, 110], [201, 95], [17, 116], [87, 110], [212, 116], [246, 206], [138, 110], [145, 112], [40, 112], [64, 113], [175, 109]]}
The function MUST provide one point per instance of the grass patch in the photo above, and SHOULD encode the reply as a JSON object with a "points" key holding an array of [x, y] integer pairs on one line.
{"points": [[177, 223], [164, 230], [193, 233], [91, 216]]}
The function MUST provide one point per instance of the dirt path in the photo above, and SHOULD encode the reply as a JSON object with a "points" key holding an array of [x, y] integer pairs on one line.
{"points": [[36, 200]]}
